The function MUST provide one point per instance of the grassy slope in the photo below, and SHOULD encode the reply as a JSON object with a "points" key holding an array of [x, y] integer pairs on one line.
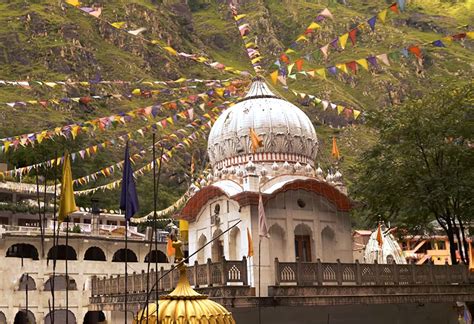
{"points": [[42, 48]]}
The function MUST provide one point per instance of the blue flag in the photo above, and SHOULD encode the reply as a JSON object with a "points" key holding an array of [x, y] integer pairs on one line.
{"points": [[128, 198]]}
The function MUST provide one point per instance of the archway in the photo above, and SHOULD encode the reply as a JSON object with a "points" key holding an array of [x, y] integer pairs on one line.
{"points": [[156, 256], [60, 252], [26, 282], [22, 250], [3, 318], [121, 254], [24, 317], [234, 244], [201, 242], [303, 241], [277, 243], [94, 253], [60, 316], [217, 248], [94, 317], [60, 282], [328, 241]]}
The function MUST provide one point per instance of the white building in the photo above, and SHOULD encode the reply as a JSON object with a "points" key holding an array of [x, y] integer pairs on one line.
{"points": [[307, 216]]}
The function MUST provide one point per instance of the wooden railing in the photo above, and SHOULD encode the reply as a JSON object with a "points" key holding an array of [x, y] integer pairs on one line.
{"points": [[210, 274], [362, 274]]}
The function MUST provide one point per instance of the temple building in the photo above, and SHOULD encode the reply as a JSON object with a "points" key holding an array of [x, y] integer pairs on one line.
{"points": [[307, 215]]}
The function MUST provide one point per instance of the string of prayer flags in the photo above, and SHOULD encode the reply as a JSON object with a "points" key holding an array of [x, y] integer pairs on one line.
{"points": [[103, 123], [121, 26], [251, 46], [346, 111]]}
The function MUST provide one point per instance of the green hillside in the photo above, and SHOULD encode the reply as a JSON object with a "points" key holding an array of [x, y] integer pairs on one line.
{"points": [[49, 40]]}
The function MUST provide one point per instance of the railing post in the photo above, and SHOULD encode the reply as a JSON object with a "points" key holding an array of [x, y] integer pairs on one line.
{"points": [[195, 274], [432, 278], [298, 272], [161, 283], [395, 274], [319, 272], [142, 281], [118, 285], [377, 272], [132, 286], [224, 274], [94, 285], [339, 273], [413, 273], [465, 273], [447, 272], [277, 272], [245, 277], [208, 273], [358, 274]]}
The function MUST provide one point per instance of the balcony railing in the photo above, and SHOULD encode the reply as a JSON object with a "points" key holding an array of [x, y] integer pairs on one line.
{"points": [[222, 273], [362, 274]]}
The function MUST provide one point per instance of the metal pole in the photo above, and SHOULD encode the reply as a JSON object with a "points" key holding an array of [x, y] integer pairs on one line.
{"points": [[259, 268]]}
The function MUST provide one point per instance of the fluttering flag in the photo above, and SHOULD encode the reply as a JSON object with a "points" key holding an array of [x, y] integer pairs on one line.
{"points": [[415, 50], [128, 197], [325, 50], [382, 15], [379, 236], [169, 247], [394, 8], [438, 43], [335, 150], [171, 50], [137, 31], [326, 13], [352, 35], [343, 40], [274, 76], [299, 64], [356, 113], [384, 59], [371, 22], [250, 244], [118, 24], [255, 140], [184, 229], [75, 3], [67, 203], [262, 219], [363, 63]]}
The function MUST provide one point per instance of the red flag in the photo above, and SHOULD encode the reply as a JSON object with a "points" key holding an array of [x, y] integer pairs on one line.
{"points": [[284, 58], [299, 64], [352, 35], [353, 66], [379, 236], [394, 8], [415, 50], [262, 219]]}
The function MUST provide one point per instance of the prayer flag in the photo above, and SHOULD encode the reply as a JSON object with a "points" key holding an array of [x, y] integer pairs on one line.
{"points": [[352, 35], [67, 204], [274, 76], [415, 50], [299, 64], [128, 198], [314, 25], [118, 24], [438, 43], [394, 8], [326, 13], [371, 22], [324, 50], [75, 3], [262, 219], [170, 50], [250, 244], [379, 236], [363, 63], [343, 40], [255, 140], [335, 149], [382, 15]]}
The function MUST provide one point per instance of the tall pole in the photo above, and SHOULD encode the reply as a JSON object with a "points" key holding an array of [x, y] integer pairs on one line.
{"points": [[67, 275], [39, 213], [55, 249], [259, 268], [126, 270], [26, 296], [156, 184]]}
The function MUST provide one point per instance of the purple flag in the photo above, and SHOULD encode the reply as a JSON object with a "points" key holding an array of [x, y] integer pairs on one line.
{"points": [[372, 60], [371, 22], [332, 70], [128, 198], [438, 43]]}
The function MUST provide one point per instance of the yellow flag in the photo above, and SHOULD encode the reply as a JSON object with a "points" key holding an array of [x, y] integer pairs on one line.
{"points": [[238, 17], [340, 109], [321, 73], [302, 38], [255, 140], [363, 63], [250, 243], [314, 26], [356, 113], [342, 67], [118, 24], [470, 35], [67, 204], [74, 3], [184, 229], [171, 50], [382, 15], [343, 40], [289, 51], [274, 76]]}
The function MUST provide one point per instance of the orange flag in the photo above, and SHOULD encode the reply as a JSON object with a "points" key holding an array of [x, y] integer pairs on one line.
{"points": [[169, 247], [335, 150], [379, 236], [471, 256], [250, 243], [256, 140]]}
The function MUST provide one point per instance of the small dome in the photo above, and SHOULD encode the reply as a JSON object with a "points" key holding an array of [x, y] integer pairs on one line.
{"points": [[285, 130]]}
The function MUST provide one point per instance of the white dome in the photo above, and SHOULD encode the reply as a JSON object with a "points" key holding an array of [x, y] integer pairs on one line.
{"points": [[286, 132]]}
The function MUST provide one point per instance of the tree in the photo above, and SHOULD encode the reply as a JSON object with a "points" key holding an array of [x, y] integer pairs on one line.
{"points": [[422, 166]]}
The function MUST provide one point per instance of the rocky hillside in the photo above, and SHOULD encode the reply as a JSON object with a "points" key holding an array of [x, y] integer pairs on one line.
{"points": [[49, 40]]}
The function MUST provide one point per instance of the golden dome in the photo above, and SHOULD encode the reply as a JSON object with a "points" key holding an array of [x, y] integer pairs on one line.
{"points": [[184, 305]]}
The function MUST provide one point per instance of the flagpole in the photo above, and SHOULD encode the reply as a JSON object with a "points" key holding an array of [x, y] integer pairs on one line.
{"points": [[26, 295], [156, 185], [126, 271], [259, 271], [39, 213], [55, 254]]}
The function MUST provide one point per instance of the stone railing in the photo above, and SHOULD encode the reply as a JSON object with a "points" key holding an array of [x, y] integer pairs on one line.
{"points": [[363, 274], [210, 274]]}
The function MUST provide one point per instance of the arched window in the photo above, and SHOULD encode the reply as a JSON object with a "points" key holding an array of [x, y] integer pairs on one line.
{"points": [[22, 251], [234, 244], [60, 282], [201, 242], [120, 255], [3, 318], [60, 317], [156, 256], [27, 282], [277, 243], [94, 317], [59, 252], [94, 254], [24, 317], [303, 238], [328, 239]]}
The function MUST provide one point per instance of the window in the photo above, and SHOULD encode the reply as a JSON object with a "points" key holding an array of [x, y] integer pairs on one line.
{"points": [[301, 203]]}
